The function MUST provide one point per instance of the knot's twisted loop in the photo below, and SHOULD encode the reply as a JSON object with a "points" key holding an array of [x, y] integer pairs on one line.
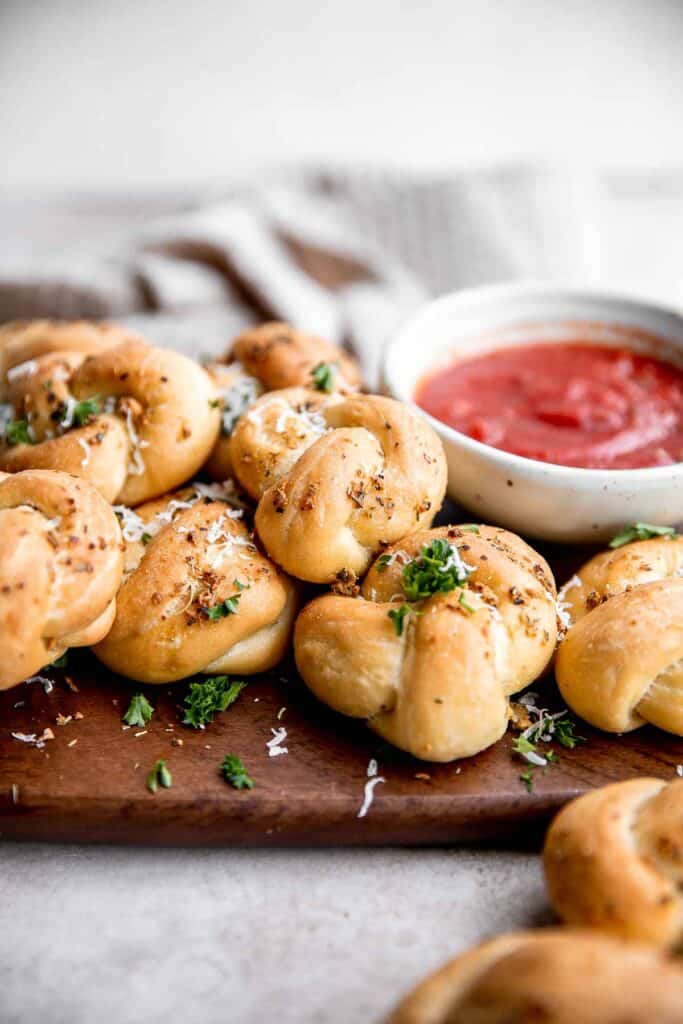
{"points": [[438, 684], [271, 357], [60, 568], [337, 477], [280, 356], [621, 663], [613, 860], [133, 419], [557, 976], [198, 595], [22, 341]]}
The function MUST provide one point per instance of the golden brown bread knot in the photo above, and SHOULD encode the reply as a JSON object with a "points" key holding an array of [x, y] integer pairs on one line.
{"points": [[621, 664], [555, 976], [133, 419], [613, 860], [268, 358], [274, 433], [60, 568], [23, 340], [198, 595], [338, 477], [438, 689], [279, 356]]}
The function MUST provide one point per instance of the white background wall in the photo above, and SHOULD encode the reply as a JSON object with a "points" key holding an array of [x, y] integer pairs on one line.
{"points": [[102, 92]]}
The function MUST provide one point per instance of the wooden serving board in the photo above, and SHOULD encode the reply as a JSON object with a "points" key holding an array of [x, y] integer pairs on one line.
{"points": [[94, 790]]}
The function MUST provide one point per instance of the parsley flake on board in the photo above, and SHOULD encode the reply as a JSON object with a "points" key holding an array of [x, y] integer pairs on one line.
{"points": [[323, 377], [227, 607], [17, 432], [641, 531], [139, 711], [159, 776], [544, 728], [563, 732], [234, 772], [205, 699]]}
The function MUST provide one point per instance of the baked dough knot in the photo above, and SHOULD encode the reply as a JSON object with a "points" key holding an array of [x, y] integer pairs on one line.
{"points": [[268, 358], [621, 663], [60, 568], [613, 860], [437, 682], [23, 340], [132, 419], [336, 477], [198, 595], [550, 976]]}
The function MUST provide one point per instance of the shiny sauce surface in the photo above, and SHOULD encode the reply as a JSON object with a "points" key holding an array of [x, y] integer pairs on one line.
{"points": [[572, 404]]}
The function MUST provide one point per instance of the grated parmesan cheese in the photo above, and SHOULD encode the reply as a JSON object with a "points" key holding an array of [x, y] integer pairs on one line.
{"points": [[67, 420], [274, 745], [86, 449], [562, 606], [303, 418], [136, 465], [369, 792], [133, 527], [236, 400], [33, 739], [679, 770], [48, 685], [25, 369]]}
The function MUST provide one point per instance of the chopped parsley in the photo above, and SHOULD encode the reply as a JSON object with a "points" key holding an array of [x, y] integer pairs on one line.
{"points": [[17, 432], [563, 732], [523, 746], [205, 699], [227, 607], [438, 569], [398, 615], [234, 772], [145, 538], [323, 376], [139, 711], [546, 728], [469, 527], [215, 403], [159, 776], [641, 531], [84, 411], [59, 662]]}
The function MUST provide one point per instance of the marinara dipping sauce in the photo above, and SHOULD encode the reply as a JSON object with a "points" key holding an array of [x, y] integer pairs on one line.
{"points": [[573, 404]]}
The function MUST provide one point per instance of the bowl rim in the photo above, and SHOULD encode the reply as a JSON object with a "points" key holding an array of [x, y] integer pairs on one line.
{"points": [[479, 295]]}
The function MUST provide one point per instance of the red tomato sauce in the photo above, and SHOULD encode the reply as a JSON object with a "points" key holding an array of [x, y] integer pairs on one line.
{"points": [[571, 404]]}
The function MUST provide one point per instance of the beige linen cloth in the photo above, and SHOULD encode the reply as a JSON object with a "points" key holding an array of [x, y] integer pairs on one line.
{"points": [[347, 254]]}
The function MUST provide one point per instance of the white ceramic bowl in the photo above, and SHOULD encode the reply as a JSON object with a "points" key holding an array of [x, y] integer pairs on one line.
{"points": [[557, 503]]}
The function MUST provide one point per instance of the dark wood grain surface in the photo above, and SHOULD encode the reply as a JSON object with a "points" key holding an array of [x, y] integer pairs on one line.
{"points": [[94, 790]]}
